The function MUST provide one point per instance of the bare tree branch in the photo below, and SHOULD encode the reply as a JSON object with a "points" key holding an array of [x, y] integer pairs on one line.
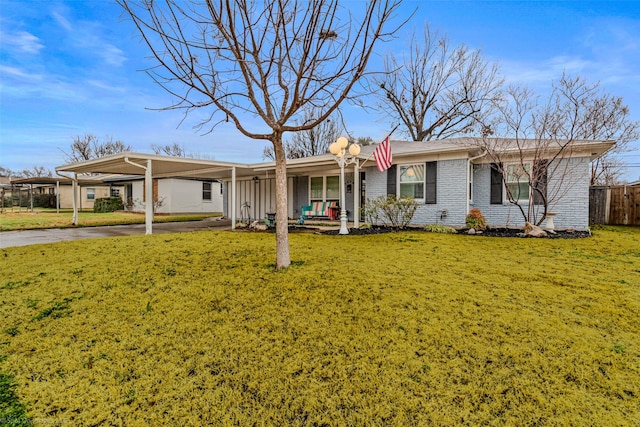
{"points": [[260, 64], [88, 146], [538, 140], [438, 91]]}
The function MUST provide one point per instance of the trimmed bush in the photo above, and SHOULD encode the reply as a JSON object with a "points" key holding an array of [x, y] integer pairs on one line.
{"points": [[475, 219], [108, 204], [390, 211]]}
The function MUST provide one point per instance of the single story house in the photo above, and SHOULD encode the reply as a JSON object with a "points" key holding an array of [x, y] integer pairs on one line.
{"points": [[446, 177], [60, 190], [171, 195]]}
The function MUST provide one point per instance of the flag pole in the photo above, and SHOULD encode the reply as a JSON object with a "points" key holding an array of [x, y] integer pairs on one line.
{"points": [[392, 131]]}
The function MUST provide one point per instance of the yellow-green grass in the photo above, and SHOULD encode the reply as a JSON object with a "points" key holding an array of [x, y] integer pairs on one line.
{"points": [[399, 329], [26, 220]]}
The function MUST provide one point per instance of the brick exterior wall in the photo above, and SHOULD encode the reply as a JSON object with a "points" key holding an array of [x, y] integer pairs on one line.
{"points": [[570, 186], [451, 189]]}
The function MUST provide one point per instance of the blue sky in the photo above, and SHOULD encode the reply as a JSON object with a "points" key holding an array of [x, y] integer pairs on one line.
{"points": [[72, 67]]}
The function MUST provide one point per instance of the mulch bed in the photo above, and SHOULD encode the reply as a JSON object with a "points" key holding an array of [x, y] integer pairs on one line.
{"points": [[488, 232]]}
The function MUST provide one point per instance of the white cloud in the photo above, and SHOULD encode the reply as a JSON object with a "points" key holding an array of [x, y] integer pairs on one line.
{"points": [[86, 36], [22, 42], [62, 21], [112, 55], [18, 73], [106, 86]]}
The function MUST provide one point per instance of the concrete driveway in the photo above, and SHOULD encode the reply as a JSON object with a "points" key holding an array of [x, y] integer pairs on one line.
{"points": [[52, 235]]}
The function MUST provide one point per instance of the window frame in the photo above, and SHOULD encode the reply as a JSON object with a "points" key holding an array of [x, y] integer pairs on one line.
{"points": [[401, 172], [324, 197], [429, 181], [90, 193], [205, 192], [506, 182]]}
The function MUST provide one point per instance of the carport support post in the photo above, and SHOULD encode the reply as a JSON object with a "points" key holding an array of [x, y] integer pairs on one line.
{"points": [[148, 213], [233, 198], [58, 196], [74, 190]]}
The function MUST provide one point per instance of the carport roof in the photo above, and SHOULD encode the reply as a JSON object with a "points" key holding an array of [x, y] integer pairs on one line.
{"points": [[128, 163]]}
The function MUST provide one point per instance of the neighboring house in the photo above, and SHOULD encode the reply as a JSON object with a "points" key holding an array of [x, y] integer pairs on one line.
{"points": [[172, 195], [60, 190], [447, 178]]}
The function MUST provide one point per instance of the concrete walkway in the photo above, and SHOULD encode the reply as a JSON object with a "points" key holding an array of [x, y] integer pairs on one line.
{"points": [[52, 235]]}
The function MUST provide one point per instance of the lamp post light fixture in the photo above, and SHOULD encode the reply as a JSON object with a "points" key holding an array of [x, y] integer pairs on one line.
{"points": [[339, 149]]}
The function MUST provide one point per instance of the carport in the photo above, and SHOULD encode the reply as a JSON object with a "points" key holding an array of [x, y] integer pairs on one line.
{"points": [[155, 166]]}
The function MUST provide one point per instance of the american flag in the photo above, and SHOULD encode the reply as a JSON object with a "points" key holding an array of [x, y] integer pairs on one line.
{"points": [[382, 154]]}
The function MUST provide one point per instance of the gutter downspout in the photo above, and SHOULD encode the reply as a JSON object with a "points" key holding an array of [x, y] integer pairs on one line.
{"points": [[469, 160], [148, 184]]}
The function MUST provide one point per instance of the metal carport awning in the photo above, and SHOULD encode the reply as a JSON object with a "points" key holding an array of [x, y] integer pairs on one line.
{"points": [[156, 166]]}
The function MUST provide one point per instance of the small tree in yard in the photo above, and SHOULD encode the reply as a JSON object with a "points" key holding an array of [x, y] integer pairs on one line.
{"points": [[538, 142], [260, 64]]}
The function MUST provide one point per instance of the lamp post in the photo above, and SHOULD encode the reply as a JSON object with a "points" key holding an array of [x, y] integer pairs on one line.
{"points": [[339, 149]]}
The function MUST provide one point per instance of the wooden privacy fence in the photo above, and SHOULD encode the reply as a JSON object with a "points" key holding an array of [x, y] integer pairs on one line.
{"points": [[617, 205]]}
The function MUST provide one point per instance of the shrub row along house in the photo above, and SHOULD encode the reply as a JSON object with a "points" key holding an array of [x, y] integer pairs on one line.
{"points": [[447, 178]]}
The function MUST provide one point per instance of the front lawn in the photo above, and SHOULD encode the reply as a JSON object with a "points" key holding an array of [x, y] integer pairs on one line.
{"points": [[398, 329], [48, 218]]}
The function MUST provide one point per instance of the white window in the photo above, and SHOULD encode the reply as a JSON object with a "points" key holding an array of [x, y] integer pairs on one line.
{"points": [[412, 181], [517, 181], [419, 181], [324, 188], [206, 191], [91, 193]]}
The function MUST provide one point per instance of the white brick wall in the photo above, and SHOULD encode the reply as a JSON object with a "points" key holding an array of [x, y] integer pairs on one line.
{"points": [[451, 193], [568, 189], [571, 202]]}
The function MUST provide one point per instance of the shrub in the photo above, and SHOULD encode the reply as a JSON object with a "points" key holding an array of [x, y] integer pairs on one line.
{"points": [[440, 228], [391, 211], [108, 204], [475, 219]]}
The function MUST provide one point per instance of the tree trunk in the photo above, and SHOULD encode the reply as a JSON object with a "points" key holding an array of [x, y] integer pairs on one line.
{"points": [[283, 258]]}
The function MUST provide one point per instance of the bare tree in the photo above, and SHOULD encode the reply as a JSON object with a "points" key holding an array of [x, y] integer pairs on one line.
{"points": [[35, 172], [537, 144], [89, 146], [606, 117], [438, 91], [310, 142], [259, 64], [6, 172], [174, 149]]}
